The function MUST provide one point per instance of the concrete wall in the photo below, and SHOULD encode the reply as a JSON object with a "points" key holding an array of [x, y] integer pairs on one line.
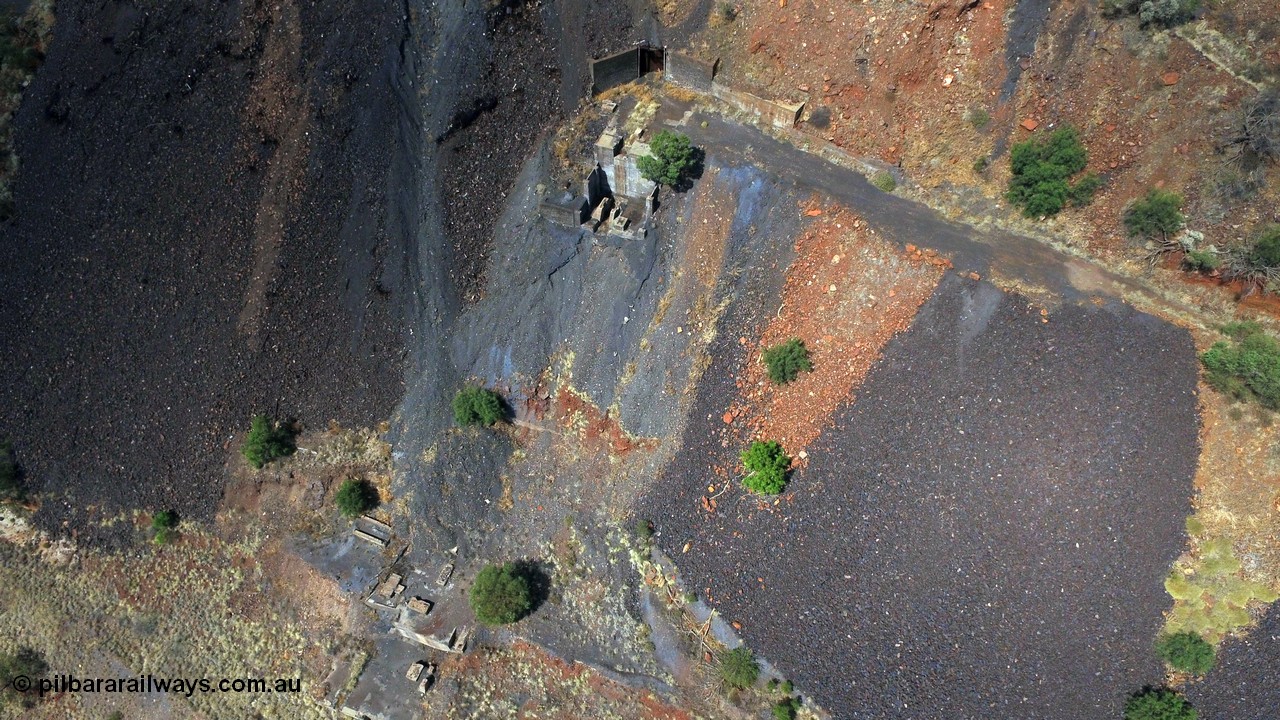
{"points": [[624, 67], [569, 211], [778, 114], [689, 71]]}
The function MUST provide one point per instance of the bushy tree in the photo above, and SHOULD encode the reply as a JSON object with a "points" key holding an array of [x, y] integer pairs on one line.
{"points": [[1156, 215], [475, 405], [1042, 170], [501, 595], [1186, 651], [671, 160], [355, 497], [767, 466], [1158, 704], [738, 668], [266, 441], [786, 360], [1246, 367]]}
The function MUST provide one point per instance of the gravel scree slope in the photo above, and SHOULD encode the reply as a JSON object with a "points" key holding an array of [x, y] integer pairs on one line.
{"points": [[985, 530], [202, 233]]}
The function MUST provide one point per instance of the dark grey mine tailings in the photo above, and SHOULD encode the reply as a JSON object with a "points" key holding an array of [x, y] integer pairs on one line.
{"points": [[984, 531]]}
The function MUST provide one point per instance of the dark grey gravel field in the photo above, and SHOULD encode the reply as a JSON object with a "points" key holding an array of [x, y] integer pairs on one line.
{"points": [[985, 530]]}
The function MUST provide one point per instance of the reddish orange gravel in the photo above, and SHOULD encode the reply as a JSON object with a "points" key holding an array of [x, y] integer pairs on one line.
{"points": [[847, 292]]}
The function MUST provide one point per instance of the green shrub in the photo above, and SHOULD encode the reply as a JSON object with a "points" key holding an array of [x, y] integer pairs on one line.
{"points": [[672, 159], [786, 360], [786, 709], [11, 489], [1246, 367], [1042, 171], [477, 406], [884, 181], [501, 595], [266, 441], [1082, 192], [786, 687], [163, 526], [1158, 214], [738, 668], [644, 531], [1158, 704], [355, 497], [767, 467], [24, 661], [1265, 250], [1186, 651], [980, 165], [1201, 261], [979, 118]]}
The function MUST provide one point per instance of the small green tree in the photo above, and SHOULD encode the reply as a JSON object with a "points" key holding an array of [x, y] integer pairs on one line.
{"points": [[474, 405], [163, 526], [1042, 171], [355, 497], [1152, 703], [266, 441], [785, 361], [738, 668], [671, 160], [501, 595], [767, 466], [1186, 651], [1157, 215], [11, 489]]}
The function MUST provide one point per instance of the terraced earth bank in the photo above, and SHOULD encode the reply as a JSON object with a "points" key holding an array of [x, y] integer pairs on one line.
{"points": [[982, 532]]}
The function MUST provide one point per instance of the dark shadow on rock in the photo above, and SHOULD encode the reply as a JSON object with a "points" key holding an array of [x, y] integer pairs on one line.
{"points": [[694, 172], [538, 575]]}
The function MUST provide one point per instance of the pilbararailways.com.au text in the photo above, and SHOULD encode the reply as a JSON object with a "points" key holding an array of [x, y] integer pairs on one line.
{"points": [[151, 684]]}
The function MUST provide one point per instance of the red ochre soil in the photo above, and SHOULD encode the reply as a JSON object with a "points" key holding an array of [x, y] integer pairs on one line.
{"points": [[845, 295]]}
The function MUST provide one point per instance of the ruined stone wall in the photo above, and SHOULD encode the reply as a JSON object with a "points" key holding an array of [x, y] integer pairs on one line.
{"points": [[778, 114]]}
